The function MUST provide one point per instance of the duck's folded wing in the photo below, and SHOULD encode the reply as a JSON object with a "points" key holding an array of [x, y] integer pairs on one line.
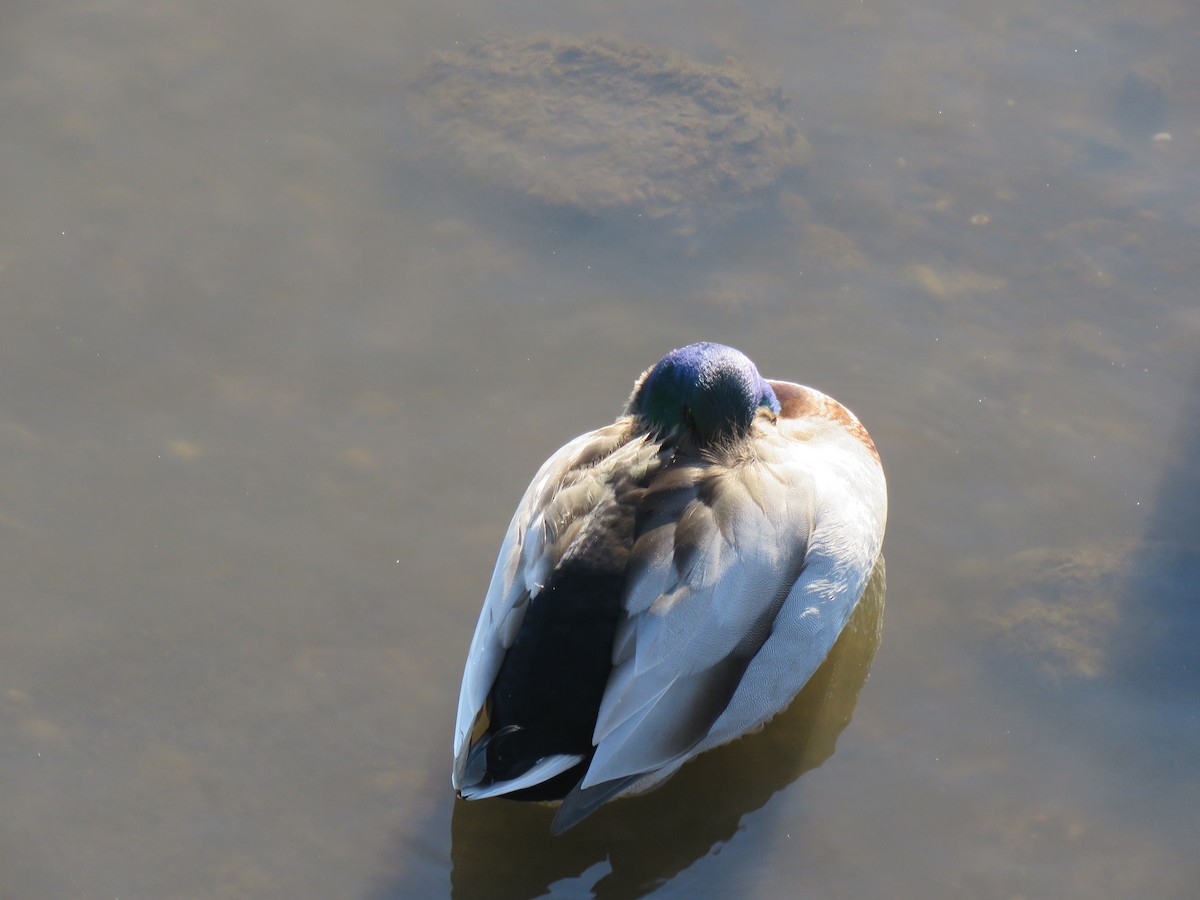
{"points": [[715, 556], [736, 596], [553, 507]]}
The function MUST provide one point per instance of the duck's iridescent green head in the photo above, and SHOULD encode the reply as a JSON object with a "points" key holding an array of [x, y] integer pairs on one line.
{"points": [[711, 390]]}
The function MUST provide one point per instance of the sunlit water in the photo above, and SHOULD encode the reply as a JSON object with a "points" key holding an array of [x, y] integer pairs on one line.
{"points": [[273, 375]]}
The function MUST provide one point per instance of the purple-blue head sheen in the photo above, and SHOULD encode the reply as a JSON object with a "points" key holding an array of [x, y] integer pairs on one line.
{"points": [[712, 390]]}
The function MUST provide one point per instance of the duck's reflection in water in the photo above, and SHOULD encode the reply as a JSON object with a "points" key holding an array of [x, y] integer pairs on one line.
{"points": [[503, 849]]}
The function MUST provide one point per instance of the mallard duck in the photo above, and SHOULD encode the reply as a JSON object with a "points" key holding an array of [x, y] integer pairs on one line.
{"points": [[668, 583]]}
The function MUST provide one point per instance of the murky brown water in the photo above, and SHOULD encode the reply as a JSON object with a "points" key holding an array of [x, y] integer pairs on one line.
{"points": [[274, 371]]}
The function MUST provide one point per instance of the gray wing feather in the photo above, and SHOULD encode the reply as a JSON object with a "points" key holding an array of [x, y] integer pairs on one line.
{"points": [[693, 625], [736, 595]]}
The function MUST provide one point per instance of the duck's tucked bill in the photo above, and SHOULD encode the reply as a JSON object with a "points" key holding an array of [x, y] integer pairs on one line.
{"points": [[668, 583]]}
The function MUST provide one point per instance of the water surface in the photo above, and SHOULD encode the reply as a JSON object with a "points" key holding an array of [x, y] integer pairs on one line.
{"points": [[273, 375]]}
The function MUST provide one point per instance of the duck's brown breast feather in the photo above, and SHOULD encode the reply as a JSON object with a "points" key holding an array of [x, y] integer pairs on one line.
{"points": [[799, 402]]}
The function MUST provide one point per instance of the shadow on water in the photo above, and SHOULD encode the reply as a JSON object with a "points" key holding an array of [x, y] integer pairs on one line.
{"points": [[1116, 623], [1159, 641], [1177, 507], [504, 849]]}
